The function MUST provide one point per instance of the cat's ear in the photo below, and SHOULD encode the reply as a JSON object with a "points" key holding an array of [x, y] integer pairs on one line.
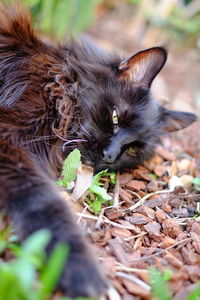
{"points": [[142, 67], [176, 120]]}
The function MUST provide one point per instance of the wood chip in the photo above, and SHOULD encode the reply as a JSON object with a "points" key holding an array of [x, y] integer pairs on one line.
{"points": [[155, 160], [109, 265], [124, 178], [152, 186], [184, 291], [160, 216], [160, 170], [122, 233], [117, 248], [101, 237], [154, 202], [166, 207], [165, 154], [141, 174], [136, 185], [125, 196], [153, 228], [171, 228], [113, 214], [167, 242], [137, 219], [196, 241], [172, 260], [189, 256], [135, 289], [193, 272], [196, 228]]}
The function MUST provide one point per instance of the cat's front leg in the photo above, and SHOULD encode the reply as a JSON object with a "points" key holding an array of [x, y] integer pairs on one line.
{"points": [[32, 203]]}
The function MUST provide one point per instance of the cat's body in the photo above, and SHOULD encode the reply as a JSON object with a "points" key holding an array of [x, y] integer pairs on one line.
{"points": [[53, 100]]}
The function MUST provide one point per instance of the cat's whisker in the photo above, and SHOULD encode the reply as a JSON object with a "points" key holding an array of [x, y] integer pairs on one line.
{"points": [[72, 141], [41, 138], [82, 127]]}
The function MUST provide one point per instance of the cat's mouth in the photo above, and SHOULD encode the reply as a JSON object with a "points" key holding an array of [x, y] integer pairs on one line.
{"points": [[128, 158]]}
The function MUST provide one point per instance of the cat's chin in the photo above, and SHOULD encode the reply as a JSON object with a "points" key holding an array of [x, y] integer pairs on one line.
{"points": [[125, 161]]}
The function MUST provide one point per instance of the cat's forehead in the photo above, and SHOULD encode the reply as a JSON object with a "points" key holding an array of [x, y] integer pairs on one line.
{"points": [[124, 95]]}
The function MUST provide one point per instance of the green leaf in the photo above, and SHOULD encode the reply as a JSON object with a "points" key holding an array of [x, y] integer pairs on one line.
{"points": [[100, 192], [196, 182], [153, 176], [167, 274], [70, 165], [31, 3], [95, 206], [53, 270], [36, 242], [47, 11], [195, 294], [112, 177], [78, 298], [83, 14], [25, 272], [159, 286], [98, 176], [62, 16]]}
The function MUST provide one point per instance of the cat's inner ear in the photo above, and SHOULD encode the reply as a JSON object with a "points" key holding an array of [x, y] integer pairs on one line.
{"points": [[142, 67], [176, 120]]}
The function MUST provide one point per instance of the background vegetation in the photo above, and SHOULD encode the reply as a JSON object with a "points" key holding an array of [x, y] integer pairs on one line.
{"points": [[179, 19]]}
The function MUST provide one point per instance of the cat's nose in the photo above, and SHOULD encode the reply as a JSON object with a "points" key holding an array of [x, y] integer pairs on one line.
{"points": [[110, 155]]}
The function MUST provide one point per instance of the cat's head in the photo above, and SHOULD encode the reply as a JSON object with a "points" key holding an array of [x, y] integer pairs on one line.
{"points": [[120, 121]]}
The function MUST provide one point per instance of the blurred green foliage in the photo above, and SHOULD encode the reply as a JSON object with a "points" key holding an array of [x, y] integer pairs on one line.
{"points": [[179, 25], [55, 17], [60, 17], [161, 289], [29, 275]]}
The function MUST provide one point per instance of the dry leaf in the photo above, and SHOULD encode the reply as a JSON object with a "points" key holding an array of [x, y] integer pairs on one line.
{"points": [[83, 181]]}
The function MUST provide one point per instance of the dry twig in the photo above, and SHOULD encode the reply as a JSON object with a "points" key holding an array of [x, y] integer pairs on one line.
{"points": [[134, 279]]}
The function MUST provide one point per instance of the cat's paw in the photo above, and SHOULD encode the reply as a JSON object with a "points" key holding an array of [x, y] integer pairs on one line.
{"points": [[82, 277]]}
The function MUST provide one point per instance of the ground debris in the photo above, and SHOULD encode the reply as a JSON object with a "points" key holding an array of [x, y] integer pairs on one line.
{"points": [[152, 226]]}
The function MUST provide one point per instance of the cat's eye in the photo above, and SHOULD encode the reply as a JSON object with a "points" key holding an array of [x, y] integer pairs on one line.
{"points": [[115, 117], [131, 151]]}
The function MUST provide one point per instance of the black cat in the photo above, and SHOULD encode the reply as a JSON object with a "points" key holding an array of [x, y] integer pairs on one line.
{"points": [[54, 99]]}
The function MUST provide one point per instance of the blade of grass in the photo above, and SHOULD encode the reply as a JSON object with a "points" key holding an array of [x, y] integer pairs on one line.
{"points": [[53, 270]]}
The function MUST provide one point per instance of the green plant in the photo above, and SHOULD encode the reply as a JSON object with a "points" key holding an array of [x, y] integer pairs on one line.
{"points": [[196, 183], [160, 288], [28, 276], [97, 195], [195, 294], [56, 17], [69, 168]]}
